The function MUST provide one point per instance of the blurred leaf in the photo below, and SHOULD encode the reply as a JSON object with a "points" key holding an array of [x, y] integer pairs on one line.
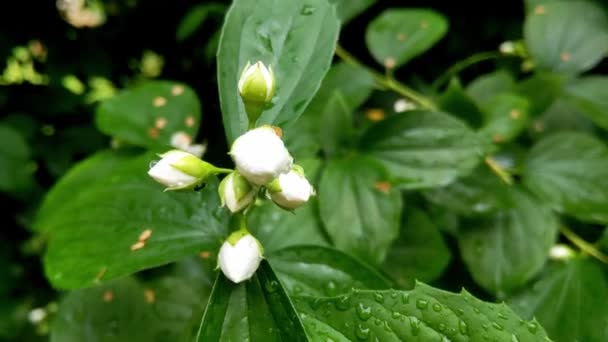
{"points": [[355, 84], [506, 116], [485, 87], [398, 35], [569, 171], [562, 115], [567, 300], [479, 193], [567, 36], [419, 253], [195, 17], [348, 9], [541, 90], [149, 114], [15, 166], [424, 149], [505, 250], [323, 271], [336, 129], [421, 314], [590, 95], [127, 310], [93, 235], [359, 209], [297, 40], [457, 102], [255, 310]]}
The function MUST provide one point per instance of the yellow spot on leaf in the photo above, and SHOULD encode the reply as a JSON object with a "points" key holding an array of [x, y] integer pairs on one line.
{"points": [[101, 273], [401, 37], [190, 121], [159, 101], [177, 89], [153, 132], [108, 296], [160, 123], [137, 246], [204, 254], [515, 114], [390, 63], [383, 186], [375, 114], [565, 56], [145, 235], [150, 296], [540, 10], [498, 138]]}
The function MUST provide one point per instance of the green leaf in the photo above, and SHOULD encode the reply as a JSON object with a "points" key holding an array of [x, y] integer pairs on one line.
{"points": [[562, 115], [458, 103], [195, 17], [570, 171], [127, 310], [420, 252], [424, 149], [15, 165], [336, 131], [348, 9], [398, 35], [505, 250], [256, 310], [323, 271], [485, 87], [360, 210], [297, 39], [506, 116], [355, 84], [149, 114], [590, 95], [541, 90], [567, 36], [479, 193], [93, 235], [422, 314], [567, 300]]}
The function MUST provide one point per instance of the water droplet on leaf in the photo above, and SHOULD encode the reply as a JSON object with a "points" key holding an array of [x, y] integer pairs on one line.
{"points": [[422, 304], [364, 312]]}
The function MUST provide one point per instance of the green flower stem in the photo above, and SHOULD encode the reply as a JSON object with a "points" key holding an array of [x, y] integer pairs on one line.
{"points": [[222, 170], [387, 81], [499, 170], [465, 63], [583, 245]]}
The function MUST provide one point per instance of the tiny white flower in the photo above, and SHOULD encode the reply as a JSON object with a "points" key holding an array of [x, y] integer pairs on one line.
{"points": [[561, 252], [182, 170], [240, 256], [236, 193], [37, 315], [257, 83], [403, 105], [291, 190], [260, 155], [507, 48]]}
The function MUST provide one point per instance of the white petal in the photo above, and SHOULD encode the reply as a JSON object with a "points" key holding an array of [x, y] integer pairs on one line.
{"points": [[239, 262], [295, 190], [169, 176]]}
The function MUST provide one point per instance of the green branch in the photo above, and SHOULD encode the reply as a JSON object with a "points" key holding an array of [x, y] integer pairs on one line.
{"points": [[583, 245]]}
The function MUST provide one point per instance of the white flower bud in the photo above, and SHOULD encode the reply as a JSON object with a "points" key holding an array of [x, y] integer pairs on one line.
{"points": [[240, 256], [257, 87], [561, 252], [181, 170], [291, 190], [236, 193], [507, 48], [260, 155]]}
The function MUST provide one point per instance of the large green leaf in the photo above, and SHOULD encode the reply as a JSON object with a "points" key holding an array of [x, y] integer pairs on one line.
{"points": [[570, 171], [359, 208], [567, 36], [456, 101], [506, 116], [479, 193], [422, 314], [355, 84], [398, 35], [323, 271], [336, 131], [505, 250], [568, 300], [15, 169], [420, 252], [297, 39], [590, 96], [424, 149], [348, 9], [150, 113], [93, 235], [127, 310], [541, 90], [256, 310]]}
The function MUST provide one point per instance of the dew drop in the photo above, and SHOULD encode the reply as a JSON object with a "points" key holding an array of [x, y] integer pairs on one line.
{"points": [[307, 10], [437, 307], [514, 338], [343, 303], [422, 304], [476, 310], [330, 287], [364, 312], [378, 297], [362, 332], [394, 295], [441, 327], [377, 321], [532, 327], [395, 315], [297, 289], [502, 316], [405, 298], [497, 326], [415, 326], [271, 286], [316, 303], [462, 326]]}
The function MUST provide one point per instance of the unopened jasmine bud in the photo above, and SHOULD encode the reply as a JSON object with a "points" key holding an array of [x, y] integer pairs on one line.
{"points": [[561, 252], [257, 87], [236, 193], [260, 155], [181, 170], [240, 256], [290, 190], [511, 48]]}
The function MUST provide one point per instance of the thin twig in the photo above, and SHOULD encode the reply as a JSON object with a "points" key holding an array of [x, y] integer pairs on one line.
{"points": [[583, 245]]}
